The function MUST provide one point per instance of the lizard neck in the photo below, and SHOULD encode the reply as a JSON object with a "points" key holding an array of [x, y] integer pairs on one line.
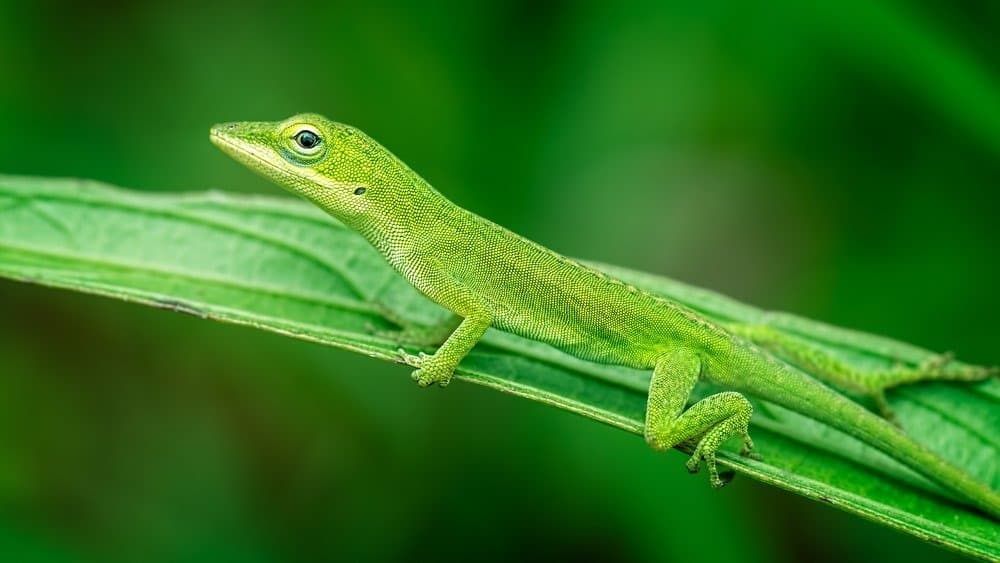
{"points": [[418, 211]]}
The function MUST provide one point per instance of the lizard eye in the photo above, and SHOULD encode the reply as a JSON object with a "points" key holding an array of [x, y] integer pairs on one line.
{"points": [[307, 140], [303, 145]]}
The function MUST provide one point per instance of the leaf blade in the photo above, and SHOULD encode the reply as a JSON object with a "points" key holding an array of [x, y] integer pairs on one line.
{"points": [[283, 266]]}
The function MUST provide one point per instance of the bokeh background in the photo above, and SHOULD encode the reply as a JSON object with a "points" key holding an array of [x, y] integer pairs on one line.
{"points": [[838, 162]]}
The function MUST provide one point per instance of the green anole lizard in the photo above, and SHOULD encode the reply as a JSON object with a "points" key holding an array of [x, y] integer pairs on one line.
{"points": [[489, 276]]}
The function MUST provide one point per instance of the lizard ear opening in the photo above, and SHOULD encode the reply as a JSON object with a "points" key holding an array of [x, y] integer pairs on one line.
{"points": [[360, 190]]}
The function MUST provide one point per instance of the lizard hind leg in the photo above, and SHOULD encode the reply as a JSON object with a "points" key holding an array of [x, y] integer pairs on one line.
{"points": [[709, 422], [842, 375]]}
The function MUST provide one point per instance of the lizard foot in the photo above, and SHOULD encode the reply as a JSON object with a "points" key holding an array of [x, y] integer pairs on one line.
{"points": [[936, 363], [747, 449], [428, 371], [412, 360], [715, 478], [718, 478]]}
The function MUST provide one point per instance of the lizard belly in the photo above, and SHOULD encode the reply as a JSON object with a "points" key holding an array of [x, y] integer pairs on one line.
{"points": [[593, 335], [535, 293]]}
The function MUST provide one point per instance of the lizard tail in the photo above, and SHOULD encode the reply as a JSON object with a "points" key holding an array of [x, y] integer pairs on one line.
{"points": [[941, 470], [890, 439], [811, 398]]}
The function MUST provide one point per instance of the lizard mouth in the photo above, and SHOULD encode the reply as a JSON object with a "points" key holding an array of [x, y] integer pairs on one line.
{"points": [[244, 152], [267, 163]]}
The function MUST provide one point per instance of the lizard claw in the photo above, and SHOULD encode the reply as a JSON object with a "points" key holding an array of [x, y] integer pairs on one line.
{"points": [[428, 372], [420, 379], [414, 360], [937, 362], [426, 378], [693, 465], [724, 478], [747, 450]]}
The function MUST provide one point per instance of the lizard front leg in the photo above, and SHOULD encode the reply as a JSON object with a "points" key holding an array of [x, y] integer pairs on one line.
{"points": [[712, 420], [439, 367], [438, 283]]}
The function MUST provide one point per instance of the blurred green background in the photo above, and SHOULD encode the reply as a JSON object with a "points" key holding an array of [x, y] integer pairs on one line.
{"points": [[838, 162]]}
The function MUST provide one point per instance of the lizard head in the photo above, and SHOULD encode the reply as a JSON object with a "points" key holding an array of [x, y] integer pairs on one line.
{"points": [[337, 167]]}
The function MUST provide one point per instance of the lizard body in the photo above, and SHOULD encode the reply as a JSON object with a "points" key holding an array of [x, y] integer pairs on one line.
{"points": [[490, 276]]}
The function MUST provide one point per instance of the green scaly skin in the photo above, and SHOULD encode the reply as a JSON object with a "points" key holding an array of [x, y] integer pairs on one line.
{"points": [[489, 276]]}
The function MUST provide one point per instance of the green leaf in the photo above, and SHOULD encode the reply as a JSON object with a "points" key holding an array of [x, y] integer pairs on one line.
{"points": [[282, 265]]}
